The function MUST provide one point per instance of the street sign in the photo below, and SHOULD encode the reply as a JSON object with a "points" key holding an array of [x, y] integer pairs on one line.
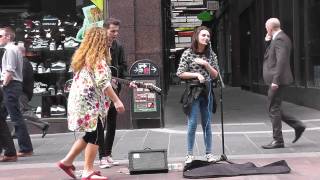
{"points": [[146, 109]]}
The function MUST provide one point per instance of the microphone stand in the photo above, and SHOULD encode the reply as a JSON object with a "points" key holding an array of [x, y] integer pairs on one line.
{"points": [[221, 85]]}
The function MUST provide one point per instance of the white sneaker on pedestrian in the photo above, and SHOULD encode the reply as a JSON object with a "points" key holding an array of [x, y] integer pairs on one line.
{"points": [[111, 161], [210, 158], [189, 159], [104, 163], [107, 162]]}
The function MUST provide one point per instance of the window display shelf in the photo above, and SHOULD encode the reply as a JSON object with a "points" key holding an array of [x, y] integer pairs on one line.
{"points": [[184, 15]]}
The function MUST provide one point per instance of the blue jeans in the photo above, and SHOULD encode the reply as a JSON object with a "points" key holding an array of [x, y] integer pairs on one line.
{"points": [[205, 107], [11, 94]]}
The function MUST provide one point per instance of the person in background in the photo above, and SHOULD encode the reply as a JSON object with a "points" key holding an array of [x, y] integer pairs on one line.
{"points": [[119, 69], [12, 77], [199, 63], [277, 75], [27, 93], [89, 101]]}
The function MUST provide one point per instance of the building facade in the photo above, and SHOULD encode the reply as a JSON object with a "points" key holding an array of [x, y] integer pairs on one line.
{"points": [[240, 32]]}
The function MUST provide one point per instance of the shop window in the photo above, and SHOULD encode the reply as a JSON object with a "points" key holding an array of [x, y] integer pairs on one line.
{"points": [[314, 43], [50, 43]]}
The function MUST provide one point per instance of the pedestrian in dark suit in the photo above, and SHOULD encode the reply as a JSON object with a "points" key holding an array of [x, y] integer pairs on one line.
{"points": [[277, 75], [27, 93]]}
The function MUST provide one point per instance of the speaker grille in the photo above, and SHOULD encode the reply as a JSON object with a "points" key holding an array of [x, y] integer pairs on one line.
{"points": [[150, 160]]}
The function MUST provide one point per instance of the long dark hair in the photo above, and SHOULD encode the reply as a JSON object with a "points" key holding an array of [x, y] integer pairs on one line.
{"points": [[195, 40]]}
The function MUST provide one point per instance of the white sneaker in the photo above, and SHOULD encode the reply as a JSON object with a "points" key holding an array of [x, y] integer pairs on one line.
{"points": [[189, 159], [210, 158], [107, 162], [104, 163], [41, 68], [39, 90], [111, 161], [53, 109], [61, 109]]}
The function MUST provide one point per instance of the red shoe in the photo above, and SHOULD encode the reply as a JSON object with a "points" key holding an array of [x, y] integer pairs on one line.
{"points": [[67, 169], [95, 173]]}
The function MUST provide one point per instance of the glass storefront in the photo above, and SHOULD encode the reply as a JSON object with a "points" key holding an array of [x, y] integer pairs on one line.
{"points": [[47, 29], [243, 25], [313, 42]]}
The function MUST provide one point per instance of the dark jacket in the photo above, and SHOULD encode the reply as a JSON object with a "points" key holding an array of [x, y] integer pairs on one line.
{"points": [[276, 64], [28, 79], [192, 92], [118, 61]]}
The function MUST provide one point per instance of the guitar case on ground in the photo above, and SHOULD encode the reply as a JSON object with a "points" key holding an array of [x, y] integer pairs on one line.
{"points": [[202, 169]]}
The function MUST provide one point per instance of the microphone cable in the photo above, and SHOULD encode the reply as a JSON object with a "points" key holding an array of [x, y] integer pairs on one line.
{"points": [[208, 122]]}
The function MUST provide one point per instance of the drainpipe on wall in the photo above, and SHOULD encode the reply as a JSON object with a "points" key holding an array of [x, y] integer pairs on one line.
{"points": [[106, 12]]}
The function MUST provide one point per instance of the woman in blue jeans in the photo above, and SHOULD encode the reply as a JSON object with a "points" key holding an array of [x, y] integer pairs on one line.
{"points": [[199, 64]]}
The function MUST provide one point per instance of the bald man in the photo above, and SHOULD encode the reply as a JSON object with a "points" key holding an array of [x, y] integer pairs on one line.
{"points": [[277, 75]]}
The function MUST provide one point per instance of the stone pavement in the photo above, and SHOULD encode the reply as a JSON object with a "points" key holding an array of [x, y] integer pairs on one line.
{"points": [[247, 127], [304, 166]]}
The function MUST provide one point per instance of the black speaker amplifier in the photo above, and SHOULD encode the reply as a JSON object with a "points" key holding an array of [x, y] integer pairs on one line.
{"points": [[148, 161]]}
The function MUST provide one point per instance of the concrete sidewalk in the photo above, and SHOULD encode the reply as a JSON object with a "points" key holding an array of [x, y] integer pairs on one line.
{"points": [[247, 127], [302, 168]]}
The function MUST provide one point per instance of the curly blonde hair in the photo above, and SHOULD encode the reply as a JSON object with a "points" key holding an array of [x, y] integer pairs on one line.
{"points": [[92, 50]]}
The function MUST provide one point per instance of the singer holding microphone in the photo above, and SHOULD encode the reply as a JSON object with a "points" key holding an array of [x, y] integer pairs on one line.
{"points": [[199, 66]]}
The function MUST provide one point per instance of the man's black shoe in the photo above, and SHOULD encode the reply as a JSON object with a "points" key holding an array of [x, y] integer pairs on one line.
{"points": [[274, 144], [45, 130], [298, 133]]}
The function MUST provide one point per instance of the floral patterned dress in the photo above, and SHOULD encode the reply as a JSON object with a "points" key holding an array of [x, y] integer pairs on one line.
{"points": [[87, 102]]}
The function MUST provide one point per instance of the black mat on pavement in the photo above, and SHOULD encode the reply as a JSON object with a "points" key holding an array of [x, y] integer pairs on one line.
{"points": [[202, 169]]}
